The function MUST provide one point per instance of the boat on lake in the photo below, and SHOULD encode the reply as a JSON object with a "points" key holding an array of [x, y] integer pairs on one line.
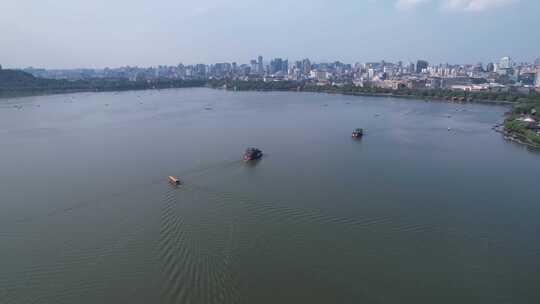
{"points": [[174, 180], [252, 154], [357, 133]]}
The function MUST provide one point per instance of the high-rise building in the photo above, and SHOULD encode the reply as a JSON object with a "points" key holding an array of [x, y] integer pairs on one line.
{"points": [[221, 69], [279, 65], [199, 71], [411, 68], [275, 65], [371, 73], [260, 67], [421, 65], [505, 63], [399, 68], [527, 78], [490, 67], [306, 66], [504, 68], [254, 67]]}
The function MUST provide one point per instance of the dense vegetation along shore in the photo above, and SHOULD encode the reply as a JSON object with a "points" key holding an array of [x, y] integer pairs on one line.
{"points": [[349, 89], [17, 83], [522, 124]]}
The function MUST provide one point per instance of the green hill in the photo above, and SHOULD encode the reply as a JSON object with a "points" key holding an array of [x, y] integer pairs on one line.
{"points": [[18, 83], [17, 79]]}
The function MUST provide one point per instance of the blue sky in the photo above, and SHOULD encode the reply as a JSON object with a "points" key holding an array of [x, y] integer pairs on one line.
{"points": [[99, 33]]}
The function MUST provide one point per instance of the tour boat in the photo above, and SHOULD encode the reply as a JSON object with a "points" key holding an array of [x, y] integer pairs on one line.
{"points": [[252, 154], [358, 133]]}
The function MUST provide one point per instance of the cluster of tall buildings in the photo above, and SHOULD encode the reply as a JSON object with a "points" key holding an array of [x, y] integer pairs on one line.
{"points": [[500, 75], [504, 75]]}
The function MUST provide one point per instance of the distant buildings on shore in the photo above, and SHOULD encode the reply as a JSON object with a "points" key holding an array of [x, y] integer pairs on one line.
{"points": [[504, 75]]}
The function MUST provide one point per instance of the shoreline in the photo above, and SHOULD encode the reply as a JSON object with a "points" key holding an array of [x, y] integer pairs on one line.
{"points": [[416, 97], [514, 137], [73, 91], [62, 92], [490, 102]]}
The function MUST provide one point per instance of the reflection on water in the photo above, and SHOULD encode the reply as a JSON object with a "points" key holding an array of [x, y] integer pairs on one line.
{"points": [[411, 213]]}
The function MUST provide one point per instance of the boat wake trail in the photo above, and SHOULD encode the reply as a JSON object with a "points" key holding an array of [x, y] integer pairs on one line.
{"points": [[194, 257]]}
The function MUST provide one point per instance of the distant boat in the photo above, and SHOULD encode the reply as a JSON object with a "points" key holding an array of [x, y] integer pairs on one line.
{"points": [[357, 133], [252, 154], [174, 180]]}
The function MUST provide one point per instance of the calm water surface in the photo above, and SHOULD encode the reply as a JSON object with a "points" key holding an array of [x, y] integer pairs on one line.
{"points": [[411, 213]]}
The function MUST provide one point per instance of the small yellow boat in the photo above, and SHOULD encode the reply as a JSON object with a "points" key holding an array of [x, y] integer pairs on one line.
{"points": [[174, 180]]}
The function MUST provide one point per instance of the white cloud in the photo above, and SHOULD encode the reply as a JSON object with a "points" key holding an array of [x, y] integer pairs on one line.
{"points": [[475, 5], [408, 4], [467, 5]]}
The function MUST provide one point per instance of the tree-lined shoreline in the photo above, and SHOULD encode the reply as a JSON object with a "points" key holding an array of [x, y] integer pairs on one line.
{"points": [[349, 89]]}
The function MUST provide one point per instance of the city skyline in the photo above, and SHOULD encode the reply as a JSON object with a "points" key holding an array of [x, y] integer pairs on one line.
{"points": [[102, 34], [503, 75], [262, 61]]}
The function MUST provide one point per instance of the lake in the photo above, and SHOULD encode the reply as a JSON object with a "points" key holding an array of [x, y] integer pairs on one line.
{"points": [[430, 206]]}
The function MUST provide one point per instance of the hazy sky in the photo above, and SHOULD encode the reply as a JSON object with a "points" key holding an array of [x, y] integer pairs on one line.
{"points": [[99, 33]]}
